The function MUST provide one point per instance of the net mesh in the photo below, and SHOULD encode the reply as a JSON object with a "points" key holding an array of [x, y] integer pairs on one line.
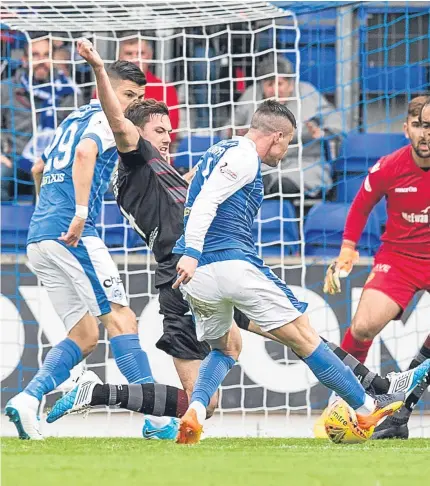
{"points": [[349, 62], [96, 16]]}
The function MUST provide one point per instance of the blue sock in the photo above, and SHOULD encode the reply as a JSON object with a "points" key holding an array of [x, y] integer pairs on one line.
{"points": [[131, 359], [55, 369], [332, 373], [213, 370]]}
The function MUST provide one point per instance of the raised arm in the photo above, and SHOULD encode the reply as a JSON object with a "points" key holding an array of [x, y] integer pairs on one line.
{"points": [[125, 133]]}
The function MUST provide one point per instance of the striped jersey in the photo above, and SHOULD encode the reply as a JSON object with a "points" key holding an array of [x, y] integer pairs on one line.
{"points": [[223, 200], [56, 207]]}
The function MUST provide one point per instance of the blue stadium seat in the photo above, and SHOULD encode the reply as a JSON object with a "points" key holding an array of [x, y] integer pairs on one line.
{"points": [[359, 151], [346, 190], [316, 27], [15, 220], [134, 240], [116, 227], [192, 148], [270, 218], [410, 78], [324, 229], [317, 66], [113, 232]]}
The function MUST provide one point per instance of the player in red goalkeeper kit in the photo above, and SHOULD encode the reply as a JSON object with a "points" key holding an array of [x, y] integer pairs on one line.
{"points": [[402, 264]]}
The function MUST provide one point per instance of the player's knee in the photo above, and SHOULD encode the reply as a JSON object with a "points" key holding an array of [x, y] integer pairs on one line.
{"points": [[85, 337], [299, 335], [122, 320], [233, 350], [362, 329], [89, 344], [234, 346], [229, 344]]}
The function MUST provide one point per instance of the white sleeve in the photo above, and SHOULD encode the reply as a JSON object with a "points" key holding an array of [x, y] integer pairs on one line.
{"points": [[98, 129], [234, 170]]}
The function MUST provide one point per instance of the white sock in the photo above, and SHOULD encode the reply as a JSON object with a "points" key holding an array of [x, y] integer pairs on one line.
{"points": [[200, 411], [158, 422], [333, 396], [28, 399], [368, 406]]}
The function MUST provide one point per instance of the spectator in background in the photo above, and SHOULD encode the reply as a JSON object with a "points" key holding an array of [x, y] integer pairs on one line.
{"points": [[140, 52], [200, 71], [54, 100], [320, 122], [8, 38], [62, 60]]}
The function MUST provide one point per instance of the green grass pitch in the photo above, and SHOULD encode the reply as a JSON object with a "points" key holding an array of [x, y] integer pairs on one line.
{"points": [[218, 462]]}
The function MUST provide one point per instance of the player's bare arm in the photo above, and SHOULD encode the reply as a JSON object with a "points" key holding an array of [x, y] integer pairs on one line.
{"points": [[189, 176], [125, 133], [37, 173], [5, 161], [83, 171]]}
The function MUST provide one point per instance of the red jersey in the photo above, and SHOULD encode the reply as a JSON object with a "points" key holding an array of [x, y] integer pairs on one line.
{"points": [[407, 190], [158, 91]]}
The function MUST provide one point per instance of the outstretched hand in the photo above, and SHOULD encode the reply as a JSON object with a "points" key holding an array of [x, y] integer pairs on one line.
{"points": [[89, 53]]}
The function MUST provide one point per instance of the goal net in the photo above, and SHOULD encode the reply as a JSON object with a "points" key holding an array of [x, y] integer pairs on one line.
{"points": [[213, 63]]}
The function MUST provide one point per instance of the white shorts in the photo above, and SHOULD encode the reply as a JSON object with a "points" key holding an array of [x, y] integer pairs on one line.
{"points": [[255, 290], [78, 280]]}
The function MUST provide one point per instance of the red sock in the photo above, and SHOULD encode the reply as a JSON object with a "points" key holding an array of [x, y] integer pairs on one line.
{"points": [[358, 349]]}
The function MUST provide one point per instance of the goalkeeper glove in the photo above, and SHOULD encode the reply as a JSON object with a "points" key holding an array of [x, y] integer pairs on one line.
{"points": [[340, 268]]}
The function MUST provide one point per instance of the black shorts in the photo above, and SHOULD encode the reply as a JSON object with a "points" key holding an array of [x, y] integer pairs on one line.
{"points": [[179, 338], [179, 331]]}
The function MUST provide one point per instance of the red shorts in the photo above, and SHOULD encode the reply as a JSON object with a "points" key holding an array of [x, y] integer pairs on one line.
{"points": [[399, 276]]}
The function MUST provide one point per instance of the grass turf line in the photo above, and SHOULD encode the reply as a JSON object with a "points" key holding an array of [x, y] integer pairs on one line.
{"points": [[217, 462]]}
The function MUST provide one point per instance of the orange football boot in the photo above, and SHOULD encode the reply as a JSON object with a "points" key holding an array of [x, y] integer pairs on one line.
{"points": [[190, 429], [385, 405]]}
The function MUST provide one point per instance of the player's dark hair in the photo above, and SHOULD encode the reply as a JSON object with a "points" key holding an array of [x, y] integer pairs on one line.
{"points": [[264, 118], [415, 105], [140, 111], [126, 71]]}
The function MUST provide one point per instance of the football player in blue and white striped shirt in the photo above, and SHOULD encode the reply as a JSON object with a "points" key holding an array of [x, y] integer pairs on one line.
{"points": [[220, 269], [71, 260]]}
